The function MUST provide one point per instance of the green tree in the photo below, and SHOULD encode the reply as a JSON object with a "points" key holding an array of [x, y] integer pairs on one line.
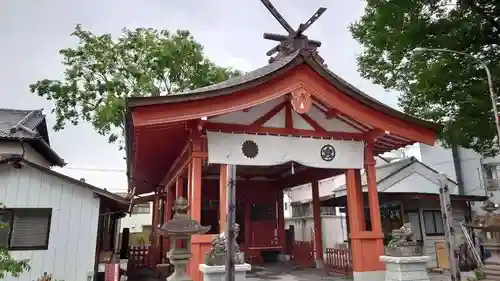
{"points": [[8, 264], [101, 71], [443, 87]]}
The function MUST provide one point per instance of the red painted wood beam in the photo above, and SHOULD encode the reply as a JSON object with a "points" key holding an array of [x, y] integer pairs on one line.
{"points": [[313, 123], [266, 117], [178, 165], [374, 134], [244, 129], [307, 176], [332, 113], [288, 116]]}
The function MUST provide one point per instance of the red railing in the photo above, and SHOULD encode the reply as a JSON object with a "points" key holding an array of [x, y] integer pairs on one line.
{"points": [[338, 261], [139, 256], [303, 253]]}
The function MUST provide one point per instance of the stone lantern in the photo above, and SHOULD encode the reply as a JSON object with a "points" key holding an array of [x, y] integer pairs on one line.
{"points": [[489, 224], [181, 228], [403, 257]]}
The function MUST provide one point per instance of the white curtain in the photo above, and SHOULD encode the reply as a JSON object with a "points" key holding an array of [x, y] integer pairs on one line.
{"points": [[225, 148]]}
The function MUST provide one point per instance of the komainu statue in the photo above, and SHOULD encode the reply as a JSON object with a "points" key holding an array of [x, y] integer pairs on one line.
{"points": [[403, 243], [401, 236], [217, 254]]}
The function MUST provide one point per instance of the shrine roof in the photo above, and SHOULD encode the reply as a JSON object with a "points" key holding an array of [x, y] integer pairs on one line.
{"points": [[267, 72]]}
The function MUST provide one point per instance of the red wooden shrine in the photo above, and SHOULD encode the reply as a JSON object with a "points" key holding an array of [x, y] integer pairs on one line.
{"points": [[295, 96]]}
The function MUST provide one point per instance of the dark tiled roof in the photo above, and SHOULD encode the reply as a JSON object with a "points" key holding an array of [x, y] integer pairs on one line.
{"points": [[28, 126], [9, 118], [226, 87], [263, 74]]}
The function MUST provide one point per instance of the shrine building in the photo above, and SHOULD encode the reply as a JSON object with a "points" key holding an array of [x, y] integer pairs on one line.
{"points": [[287, 123]]}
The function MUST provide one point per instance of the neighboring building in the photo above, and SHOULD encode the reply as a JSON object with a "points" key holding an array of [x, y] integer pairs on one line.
{"points": [[140, 217], [408, 192], [24, 132], [138, 222], [64, 226], [477, 175]]}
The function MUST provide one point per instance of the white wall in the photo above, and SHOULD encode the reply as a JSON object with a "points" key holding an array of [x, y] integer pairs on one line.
{"points": [[441, 159], [135, 221], [30, 154], [334, 230], [72, 240]]}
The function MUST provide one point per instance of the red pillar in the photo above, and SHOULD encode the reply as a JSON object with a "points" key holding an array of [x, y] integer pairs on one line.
{"points": [[195, 188], [167, 215], [179, 187], [155, 246], [374, 205], [318, 230], [366, 246], [281, 222]]}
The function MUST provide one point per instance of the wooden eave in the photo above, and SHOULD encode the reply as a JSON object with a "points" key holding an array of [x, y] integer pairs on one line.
{"points": [[267, 73]]}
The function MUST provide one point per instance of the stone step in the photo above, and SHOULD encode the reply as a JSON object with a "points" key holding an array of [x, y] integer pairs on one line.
{"points": [[491, 273], [492, 267]]}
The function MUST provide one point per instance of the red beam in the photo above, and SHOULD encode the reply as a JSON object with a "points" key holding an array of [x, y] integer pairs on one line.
{"points": [[307, 176], [374, 134], [178, 164], [332, 113], [312, 123], [244, 129], [288, 116], [266, 117]]}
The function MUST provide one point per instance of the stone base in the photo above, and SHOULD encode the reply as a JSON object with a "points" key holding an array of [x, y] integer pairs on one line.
{"points": [[368, 276], [217, 272], [405, 268]]}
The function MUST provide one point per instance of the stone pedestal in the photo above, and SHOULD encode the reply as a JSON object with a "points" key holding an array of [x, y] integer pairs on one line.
{"points": [[491, 267], [405, 268], [217, 272]]}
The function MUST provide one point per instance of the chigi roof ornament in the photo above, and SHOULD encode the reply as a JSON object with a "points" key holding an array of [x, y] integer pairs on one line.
{"points": [[295, 40]]}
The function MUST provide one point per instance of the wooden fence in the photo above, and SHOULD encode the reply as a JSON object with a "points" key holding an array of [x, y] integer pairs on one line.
{"points": [[338, 261], [139, 256], [303, 253]]}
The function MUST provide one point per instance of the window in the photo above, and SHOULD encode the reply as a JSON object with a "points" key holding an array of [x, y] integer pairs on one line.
{"points": [[141, 209], [302, 210], [433, 223], [25, 229]]}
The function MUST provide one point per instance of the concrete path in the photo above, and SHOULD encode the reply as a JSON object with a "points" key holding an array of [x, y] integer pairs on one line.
{"points": [[282, 272]]}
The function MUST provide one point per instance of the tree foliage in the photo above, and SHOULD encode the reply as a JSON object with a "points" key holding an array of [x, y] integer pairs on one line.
{"points": [[101, 71], [443, 87], [8, 264]]}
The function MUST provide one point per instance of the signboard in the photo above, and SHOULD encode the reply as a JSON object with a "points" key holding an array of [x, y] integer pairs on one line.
{"points": [[442, 256]]}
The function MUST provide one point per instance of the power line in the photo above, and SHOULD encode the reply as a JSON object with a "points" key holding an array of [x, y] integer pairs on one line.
{"points": [[95, 169]]}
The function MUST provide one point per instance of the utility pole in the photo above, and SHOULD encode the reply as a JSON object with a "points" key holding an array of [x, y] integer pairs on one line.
{"points": [[449, 231], [231, 215]]}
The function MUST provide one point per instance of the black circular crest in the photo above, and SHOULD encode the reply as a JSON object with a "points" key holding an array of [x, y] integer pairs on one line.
{"points": [[250, 149], [327, 153]]}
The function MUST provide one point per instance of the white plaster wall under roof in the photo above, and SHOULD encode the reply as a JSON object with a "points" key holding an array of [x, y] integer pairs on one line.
{"points": [[247, 117]]}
